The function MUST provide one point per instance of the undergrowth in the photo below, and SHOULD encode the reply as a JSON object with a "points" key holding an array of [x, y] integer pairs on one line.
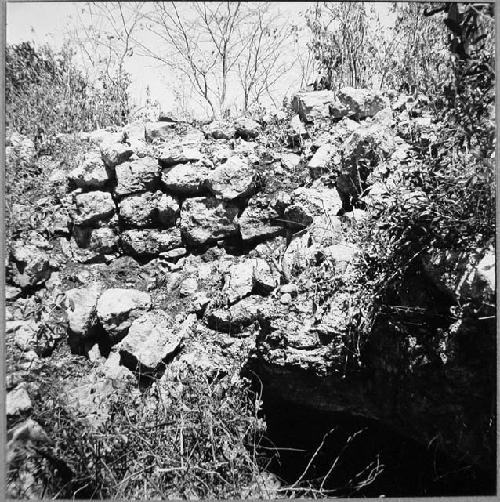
{"points": [[192, 437]]}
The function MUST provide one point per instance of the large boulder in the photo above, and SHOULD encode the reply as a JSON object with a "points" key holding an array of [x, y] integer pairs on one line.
{"points": [[93, 207], [147, 243], [186, 179], [137, 176], [231, 180], [91, 173], [31, 265], [313, 105], [151, 338], [205, 220], [115, 153], [117, 308]]}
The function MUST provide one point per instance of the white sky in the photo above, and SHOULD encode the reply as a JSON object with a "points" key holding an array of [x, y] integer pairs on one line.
{"points": [[48, 22]]}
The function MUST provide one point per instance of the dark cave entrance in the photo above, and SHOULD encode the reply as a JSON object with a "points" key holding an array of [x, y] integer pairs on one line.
{"points": [[359, 457]]}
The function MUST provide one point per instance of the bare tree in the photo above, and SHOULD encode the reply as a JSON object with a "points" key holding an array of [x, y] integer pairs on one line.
{"points": [[218, 45], [105, 33], [263, 62]]}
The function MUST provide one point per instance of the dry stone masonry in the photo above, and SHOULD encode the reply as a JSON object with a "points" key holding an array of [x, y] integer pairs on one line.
{"points": [[177, 237]]}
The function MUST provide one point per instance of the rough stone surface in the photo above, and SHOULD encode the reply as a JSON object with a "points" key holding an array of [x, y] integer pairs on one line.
{"points": [[264, 280], [220, 130], [159, 130], [178, 154], [99, 241], [362, 103], [135, 131], [117, 308], [205, 220], [320, 160], [239, 281], [310, 202], [81, 305], [93, 207], [91, 173], [137, 176], [150, 242], [313, 105], [17, 401], [151, 338], [139, 210], [186, 179], [31, 265], [115, 153], [239, 316], [259, 219], [247, 128], [34, 343], [232, 180], [167, 211]]}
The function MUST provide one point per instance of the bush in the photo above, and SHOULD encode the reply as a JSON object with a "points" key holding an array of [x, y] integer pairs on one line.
{"points": [[196, 438], [46, 94]]}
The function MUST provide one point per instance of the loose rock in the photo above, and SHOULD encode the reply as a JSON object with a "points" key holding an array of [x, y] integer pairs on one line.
{"points": [[117, 308], [150, 340], [17, 401]]}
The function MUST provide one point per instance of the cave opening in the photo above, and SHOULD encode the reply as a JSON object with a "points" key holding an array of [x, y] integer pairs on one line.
{"points": [[320, 453]]}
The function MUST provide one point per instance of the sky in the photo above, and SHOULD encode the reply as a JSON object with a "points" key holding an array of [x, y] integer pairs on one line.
{"points": [[49, 22]]}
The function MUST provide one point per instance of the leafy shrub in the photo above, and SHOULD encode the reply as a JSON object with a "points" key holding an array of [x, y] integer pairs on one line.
{"points": [[46, 93]]}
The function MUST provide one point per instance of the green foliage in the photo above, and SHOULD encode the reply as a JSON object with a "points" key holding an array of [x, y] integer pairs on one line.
{"points": [[47, 94]]}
